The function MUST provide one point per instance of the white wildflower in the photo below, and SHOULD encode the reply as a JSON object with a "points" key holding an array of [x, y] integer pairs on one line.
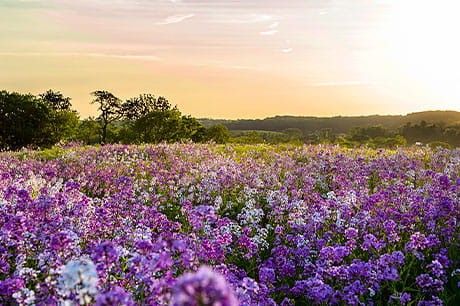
{"points": [[24, 296], [371, 292], [79, 277]]}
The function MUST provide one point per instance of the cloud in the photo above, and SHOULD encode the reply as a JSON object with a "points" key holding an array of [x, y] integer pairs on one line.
{"points": [[175, 19], [24, 4], [274, 25], [238, 67], [227, 66], [72, 54], [123, 56], [271, 32], [288, 50], [251, 18], [341, 83]]}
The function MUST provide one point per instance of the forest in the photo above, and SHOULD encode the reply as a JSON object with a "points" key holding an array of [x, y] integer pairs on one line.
{"points": [[429, 127], [40, 121]]}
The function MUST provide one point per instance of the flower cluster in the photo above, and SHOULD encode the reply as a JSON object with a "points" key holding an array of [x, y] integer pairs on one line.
{"points": [[188, 224]]}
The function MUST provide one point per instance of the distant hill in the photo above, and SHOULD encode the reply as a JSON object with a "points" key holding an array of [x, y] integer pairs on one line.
{"points": [[337, 125]]}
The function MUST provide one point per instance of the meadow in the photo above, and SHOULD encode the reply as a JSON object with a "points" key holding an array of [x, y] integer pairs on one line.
{"points": [[204, 224]]}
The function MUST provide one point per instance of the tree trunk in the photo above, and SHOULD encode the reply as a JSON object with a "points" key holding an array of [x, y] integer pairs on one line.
{"points": [[104, 132]]}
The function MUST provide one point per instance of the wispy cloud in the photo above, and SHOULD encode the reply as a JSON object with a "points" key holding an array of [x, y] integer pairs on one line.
{"points": [[251, 18], [238, 67], [74, 54], [175, 19], [227, 66], [274, 25], [271, 32], [127, 56], [24, 4], [341, 83]]}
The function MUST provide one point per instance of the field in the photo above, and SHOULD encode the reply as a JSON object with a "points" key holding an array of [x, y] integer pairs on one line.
{"points": [[262, 225]]}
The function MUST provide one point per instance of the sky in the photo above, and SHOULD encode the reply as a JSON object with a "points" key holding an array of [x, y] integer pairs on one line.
{"points": [[238, 58]]}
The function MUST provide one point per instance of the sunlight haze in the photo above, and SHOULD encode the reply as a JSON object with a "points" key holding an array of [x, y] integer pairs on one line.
{"points": [[238, 59]]}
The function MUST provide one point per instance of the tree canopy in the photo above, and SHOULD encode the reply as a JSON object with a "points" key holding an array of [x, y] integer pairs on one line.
{"points": [[27, 120], [110, 107]]}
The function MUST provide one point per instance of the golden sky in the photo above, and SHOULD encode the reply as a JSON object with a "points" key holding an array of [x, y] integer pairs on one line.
{"points": [[240, 58]]}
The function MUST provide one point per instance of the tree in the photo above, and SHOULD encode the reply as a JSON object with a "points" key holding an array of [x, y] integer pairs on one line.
{"points": [[251, 137], [192, 129], [138, 107], [218, 133], [63, 125], [154, 120], [110, 108], [27, 120], [293, 135], [158, 126], [56, 100], [24, 121], [325, 135], [64, 120], [89, 131]]}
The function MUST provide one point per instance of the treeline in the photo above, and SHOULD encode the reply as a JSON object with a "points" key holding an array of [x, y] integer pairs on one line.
{"points": [[432, 127], [41, 121], [423, 133], [338, 124]]}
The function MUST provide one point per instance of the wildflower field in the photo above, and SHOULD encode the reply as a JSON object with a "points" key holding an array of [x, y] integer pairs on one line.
{"points": [[190, 224]]}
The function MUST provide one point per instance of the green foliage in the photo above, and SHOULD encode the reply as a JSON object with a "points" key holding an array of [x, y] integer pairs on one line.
{"points": [[293, 135], [451, 135], [64, 120], [56, 100], [63, 126], [89, 131], [152, 120], [250, 138], [158, 126], [126, 134], [26, 120], [47, 119], [23, 121], [345, 142], [192, 129], [110, 108], [438, 126], [374, 137], [337, 125], [166, 126], [387, 142], [431, 132], [363, 134], [439, 144], [218, 133], [138, 107]]}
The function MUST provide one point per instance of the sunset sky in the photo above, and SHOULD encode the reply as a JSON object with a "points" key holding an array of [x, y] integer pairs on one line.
{"points": [[240, 58]]}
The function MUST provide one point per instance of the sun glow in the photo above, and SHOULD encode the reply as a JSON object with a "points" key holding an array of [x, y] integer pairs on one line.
{"points": [[424, 41]]}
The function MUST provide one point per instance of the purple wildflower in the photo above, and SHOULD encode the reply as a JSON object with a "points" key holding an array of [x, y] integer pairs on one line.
{"points": [[204, 287], [116, 296], [418, 241], [267, 275], [60, 241], [105, 252], [351, 233]]}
